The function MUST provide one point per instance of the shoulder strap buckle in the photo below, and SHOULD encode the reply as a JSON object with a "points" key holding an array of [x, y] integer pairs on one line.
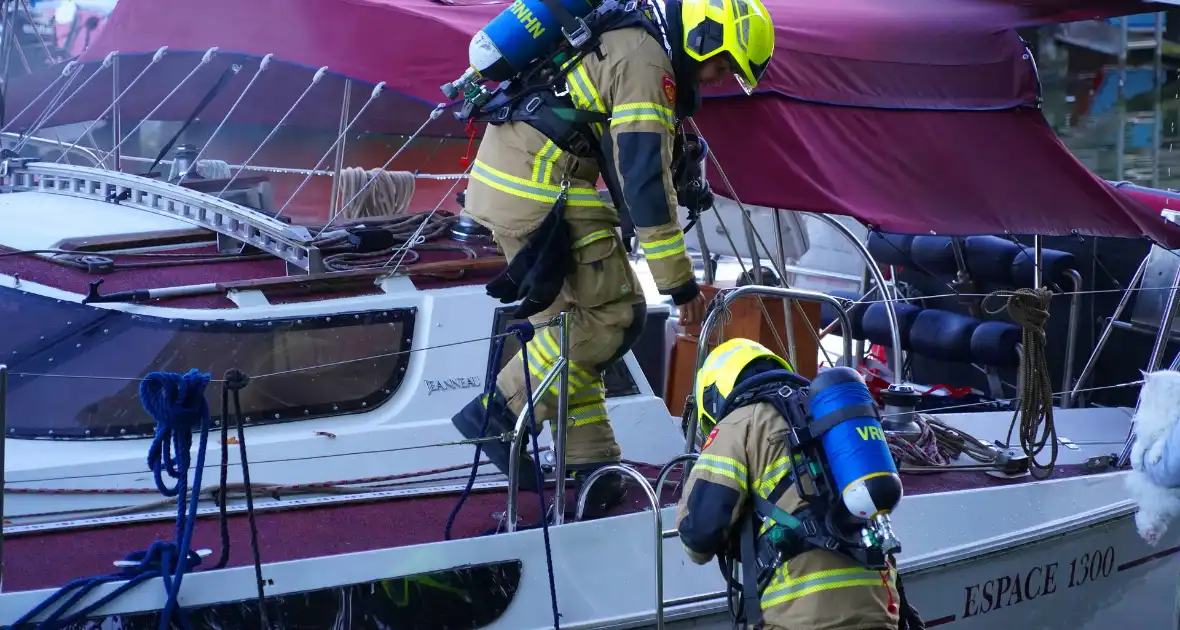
{"points": [[580, 36]]}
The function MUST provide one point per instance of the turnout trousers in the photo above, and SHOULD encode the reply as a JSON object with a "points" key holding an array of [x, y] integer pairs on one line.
{"points": [[606, 315]]}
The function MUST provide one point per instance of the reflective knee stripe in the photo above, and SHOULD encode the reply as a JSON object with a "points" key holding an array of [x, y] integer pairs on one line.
{"points": [[792, 588], [663, 248], [544, 343], [539, 368], [520, 187], [544, 161], [595, 392], [636, 112], [724, 466], [596, 235]]}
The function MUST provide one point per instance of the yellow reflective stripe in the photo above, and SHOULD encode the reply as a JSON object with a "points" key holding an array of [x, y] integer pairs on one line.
{"points": [[543, 162], [596, 235], [635, 112], [774, 473], [663, 248], [595, 392], [724, 466], [587, 414], [781, 591], [520, 187], [538, 366], [582, 79], [584, 95], [547, 346]]}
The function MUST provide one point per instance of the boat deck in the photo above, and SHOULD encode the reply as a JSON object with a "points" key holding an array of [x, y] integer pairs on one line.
{"points": [[48, 560]]}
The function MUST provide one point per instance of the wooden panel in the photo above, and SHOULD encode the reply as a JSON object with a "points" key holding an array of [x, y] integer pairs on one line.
{"points": [[748, 321]]}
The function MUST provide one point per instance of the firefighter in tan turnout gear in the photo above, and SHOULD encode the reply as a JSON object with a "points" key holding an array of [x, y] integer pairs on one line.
{"points": [[540, 201], [742, 485]]}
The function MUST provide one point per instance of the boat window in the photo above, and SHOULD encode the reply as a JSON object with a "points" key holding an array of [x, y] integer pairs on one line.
{"points": [[75, 369], [617, 378]]}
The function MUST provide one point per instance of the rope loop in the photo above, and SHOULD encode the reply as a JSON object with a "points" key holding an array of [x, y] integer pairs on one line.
{"points": [[177, 403], [1030, 309], [523, 331], [236, 380]]}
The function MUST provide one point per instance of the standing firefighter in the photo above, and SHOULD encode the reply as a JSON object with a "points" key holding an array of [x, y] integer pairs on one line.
{"points": [[614, 112], [806, 561]]}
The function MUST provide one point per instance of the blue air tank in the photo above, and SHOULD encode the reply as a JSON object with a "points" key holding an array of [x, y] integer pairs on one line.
{"points": [[523, 32], [860, 465]]}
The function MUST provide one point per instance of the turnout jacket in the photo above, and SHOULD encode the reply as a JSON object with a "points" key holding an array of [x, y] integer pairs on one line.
{"points": [[518, 172], [819, 590]]}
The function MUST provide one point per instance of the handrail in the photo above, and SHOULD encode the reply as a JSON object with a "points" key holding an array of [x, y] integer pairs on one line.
{"points": [[58, 143], [3, 432], [662, 478], [879, 278], [729, 296], [518, 434], [659, 523], [563, 387]]}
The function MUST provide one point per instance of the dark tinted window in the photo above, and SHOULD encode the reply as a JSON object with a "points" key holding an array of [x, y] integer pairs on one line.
{"points": [[43, 340], [617, 378]]}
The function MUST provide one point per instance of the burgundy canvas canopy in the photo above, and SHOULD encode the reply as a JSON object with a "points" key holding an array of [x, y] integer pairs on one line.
{"points": [[915, 117]]}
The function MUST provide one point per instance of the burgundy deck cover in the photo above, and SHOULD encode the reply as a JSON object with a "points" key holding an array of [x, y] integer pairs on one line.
{"points": [[915, 116]]}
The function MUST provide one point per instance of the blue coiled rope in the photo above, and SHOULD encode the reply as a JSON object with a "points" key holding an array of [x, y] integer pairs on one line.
{"points": [[177, 403], [524, 333]]}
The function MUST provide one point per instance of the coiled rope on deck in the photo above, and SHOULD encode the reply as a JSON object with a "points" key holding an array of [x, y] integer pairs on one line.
{"points": [[408, 235], [938, 444], [389, 194], [1030, 309]]}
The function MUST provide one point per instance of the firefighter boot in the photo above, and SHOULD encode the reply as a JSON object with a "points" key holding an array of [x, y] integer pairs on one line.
{"points": [[607, 493], [500, 420]]}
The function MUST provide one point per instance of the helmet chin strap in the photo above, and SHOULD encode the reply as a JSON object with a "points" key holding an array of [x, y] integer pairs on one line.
{"points": [[688, 91]]}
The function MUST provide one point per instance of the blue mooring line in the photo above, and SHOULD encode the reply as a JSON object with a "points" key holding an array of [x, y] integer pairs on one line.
{"points": [[177, 403]]}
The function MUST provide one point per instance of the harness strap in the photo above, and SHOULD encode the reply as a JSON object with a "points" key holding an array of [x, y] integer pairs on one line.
{"points": [[569, 23], [824, 423], [751, 591]]}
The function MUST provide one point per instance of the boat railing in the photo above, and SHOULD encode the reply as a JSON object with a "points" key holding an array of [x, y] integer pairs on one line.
{"points": [[654, 499], [95, 161], [560, 372], [728, 297], [3, 432]]}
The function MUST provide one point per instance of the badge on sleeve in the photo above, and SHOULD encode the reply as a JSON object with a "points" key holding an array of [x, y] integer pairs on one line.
{"points": [[709, 439], [670, 89]]}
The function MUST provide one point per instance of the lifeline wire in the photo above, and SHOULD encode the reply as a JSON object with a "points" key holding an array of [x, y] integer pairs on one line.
{"points": [[298, 369], [434, 114]]}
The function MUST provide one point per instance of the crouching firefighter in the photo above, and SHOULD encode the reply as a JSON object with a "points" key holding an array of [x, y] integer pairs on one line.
{"points": [[608, 108], [794, 484]]}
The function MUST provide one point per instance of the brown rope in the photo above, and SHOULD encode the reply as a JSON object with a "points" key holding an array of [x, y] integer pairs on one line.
{"points": [[1030, 309]]}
